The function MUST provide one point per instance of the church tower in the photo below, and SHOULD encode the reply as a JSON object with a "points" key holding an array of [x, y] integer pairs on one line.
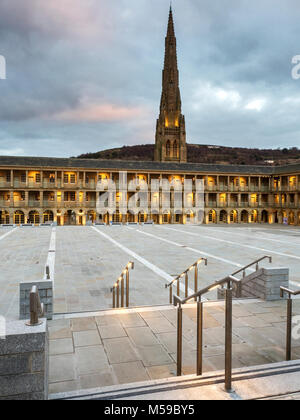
{"points": [[170, 139]]}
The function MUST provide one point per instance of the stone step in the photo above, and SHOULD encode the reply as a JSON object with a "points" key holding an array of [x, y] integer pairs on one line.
{"points": [[271, 381], [153, 308]]}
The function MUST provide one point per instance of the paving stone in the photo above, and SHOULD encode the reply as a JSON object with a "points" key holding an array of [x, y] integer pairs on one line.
{"points": [[274, 335], [252, 337], [161, 372], [62, 368], [160, 325], [90, 360], [131, 320], [86, 338], [59, 387], [255, 322], [273, 354], [169, 341], [142, 336], [189, 360], [112, 331], [248, 356], [256, 308], [154, 356], [108, 320], [120, 350], [83, 324], [105, 378], [61, 346], [59, 329], [151, 314], [218, 362], [130, 372]]}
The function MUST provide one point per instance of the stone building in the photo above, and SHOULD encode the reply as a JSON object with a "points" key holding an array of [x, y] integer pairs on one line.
{"points": [[68, 191]]}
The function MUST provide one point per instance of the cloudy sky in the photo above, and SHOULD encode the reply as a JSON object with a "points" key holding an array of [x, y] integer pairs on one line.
{"points": [[85, 75]]}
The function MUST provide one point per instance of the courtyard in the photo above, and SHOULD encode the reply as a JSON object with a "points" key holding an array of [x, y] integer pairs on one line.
{"points": [[86, 261]]}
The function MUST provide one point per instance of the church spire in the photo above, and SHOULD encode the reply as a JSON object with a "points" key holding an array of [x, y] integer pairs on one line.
{"points": [[171, 31], [170, 131]]}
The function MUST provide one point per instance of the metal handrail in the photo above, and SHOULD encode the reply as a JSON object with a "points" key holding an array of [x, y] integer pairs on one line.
{"points": [[36, 308], [185, 274], [230, 281], [119, 288], [250, 265], [285, 291]]}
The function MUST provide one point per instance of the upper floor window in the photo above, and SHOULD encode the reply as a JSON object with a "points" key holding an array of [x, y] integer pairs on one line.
{"points": [[37, 177]]}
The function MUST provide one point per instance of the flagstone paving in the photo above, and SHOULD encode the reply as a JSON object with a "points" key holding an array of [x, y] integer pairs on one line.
{"points": [[137, 345]]}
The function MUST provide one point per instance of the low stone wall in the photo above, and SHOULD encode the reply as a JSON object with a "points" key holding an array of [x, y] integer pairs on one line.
{"points": [[46, 296], [24, 364], [263, 284]]}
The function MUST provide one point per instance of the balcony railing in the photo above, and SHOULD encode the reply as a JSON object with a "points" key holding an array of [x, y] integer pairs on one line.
{"points": [[4, 184], [4, 203]]}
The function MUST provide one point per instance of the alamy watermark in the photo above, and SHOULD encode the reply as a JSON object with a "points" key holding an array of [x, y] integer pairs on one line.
{"points": [[162, 196], [296, 68], [2, 67], [2, 328], [296, 329]]}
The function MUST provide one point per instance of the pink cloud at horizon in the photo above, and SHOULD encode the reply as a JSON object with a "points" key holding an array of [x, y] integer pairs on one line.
{"points": [[101, 113]]}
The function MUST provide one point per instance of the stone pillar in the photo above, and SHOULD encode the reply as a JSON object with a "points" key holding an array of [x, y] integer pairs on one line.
{"points": [[24, 362]]}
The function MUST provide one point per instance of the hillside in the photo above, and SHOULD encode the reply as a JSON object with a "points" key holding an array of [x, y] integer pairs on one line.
{"points": [[198, 153]]}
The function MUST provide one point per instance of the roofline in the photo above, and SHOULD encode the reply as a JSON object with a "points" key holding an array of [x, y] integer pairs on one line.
{"points": [[147, 166]]}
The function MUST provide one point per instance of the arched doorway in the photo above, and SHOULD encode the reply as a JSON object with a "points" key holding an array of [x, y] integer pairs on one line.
{"points": [[223, 216], [291, 218], [4, 217], [233, 216], [34, 217], [117, 217], [70, 218], [142, 217], [189, 217], [212, 216], [244, 216], [19, 218], [166, 218], [91, 216], [48, 216], [103, 218], [254, 216], [264, 216]]}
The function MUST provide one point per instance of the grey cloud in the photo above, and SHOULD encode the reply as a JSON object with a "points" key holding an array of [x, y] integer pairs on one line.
{"points": [[113, 54]]}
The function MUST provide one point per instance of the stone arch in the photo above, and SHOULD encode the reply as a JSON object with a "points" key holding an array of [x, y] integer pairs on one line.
{"points": [[254, 216], [264, 216], [291, 218], [4, 217], [244, 216], [117, 217], [19, 217], [234, 216], [70, 217], [166, 217], [48, 216], [34, 217], [91, 216], [223, 216], [212, 216]]}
